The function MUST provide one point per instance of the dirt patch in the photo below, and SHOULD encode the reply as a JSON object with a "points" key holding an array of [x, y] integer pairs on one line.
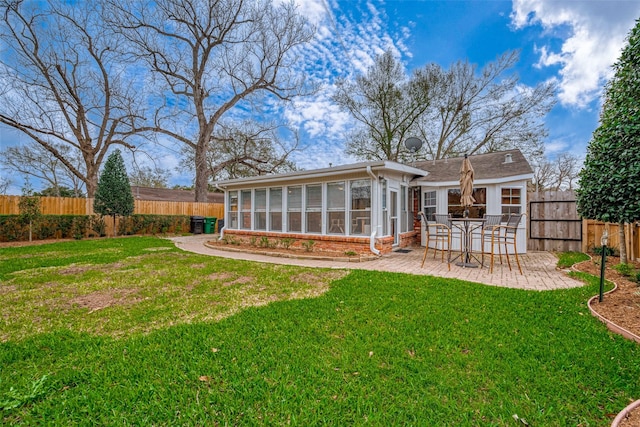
{"points": [[99, 300], [220, 276]]}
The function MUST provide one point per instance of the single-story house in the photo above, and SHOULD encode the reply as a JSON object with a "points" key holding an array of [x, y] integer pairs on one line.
{"points": [[371, 206]]}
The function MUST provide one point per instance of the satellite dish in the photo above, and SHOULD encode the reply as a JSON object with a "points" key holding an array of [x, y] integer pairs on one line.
{"points": [[413, 144]]}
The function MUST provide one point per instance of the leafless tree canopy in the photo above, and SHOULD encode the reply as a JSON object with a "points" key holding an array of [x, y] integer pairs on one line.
{"points": [[485, 112], [387, 104], [63, 85], [453, 111], [560, 174], [246, 149], [207, 57], [147, 176], [37, 161]]}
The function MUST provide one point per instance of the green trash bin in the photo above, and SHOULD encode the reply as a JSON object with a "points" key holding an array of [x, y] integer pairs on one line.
{"points": [[210, 225]]}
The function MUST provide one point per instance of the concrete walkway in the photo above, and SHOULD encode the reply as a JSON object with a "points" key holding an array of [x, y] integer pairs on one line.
{"points": [[539, 268]]}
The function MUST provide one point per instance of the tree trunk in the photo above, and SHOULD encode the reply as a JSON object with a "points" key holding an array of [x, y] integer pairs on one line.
{"points": [[30, 230], [623, 244], [202, 173]]}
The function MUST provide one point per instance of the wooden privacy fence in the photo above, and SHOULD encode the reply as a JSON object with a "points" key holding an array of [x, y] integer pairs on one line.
{"points": [[80, 206], [554, 225], [592, 235]]}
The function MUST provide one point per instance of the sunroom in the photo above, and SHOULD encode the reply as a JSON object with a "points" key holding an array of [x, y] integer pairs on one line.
{"points": [[362, 207]]}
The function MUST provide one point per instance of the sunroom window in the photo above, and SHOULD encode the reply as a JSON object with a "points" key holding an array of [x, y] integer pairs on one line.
{"points": [[275, 209], [314, 208], [245, 209], [360, 212], [336, 207], [294, 209], [232, 214]]}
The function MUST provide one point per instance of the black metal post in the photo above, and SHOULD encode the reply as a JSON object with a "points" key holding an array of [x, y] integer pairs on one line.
{"points": [[602, 266]]}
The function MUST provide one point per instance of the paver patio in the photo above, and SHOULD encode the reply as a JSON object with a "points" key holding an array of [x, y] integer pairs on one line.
{"points": [[539, 268]]}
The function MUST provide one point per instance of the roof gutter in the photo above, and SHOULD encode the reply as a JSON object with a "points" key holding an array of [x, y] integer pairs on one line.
{"points": [[372, 238]]}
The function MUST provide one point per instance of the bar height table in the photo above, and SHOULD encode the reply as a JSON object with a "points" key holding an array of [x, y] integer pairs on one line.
{"points": [[463, 224]]}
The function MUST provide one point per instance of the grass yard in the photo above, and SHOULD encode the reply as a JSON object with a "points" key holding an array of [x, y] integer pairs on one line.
{"points": [[135, 332]]}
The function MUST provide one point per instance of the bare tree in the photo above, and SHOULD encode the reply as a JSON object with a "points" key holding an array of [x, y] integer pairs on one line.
{"points": [[63, 84], [36, 161], [208, 57], [484, 112], [544, 175], [4, 184], [556, 175], [387, 105], [568, 168], [147, 176], [245, 149]]}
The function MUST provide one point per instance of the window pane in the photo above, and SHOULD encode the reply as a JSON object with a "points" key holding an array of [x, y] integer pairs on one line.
{"points": [[478, 209], [233, 209], [275, 209], [335, 222], [314, 207], [294, 198], [294, 207], [245, 202], [429, 208], [275, 221], [275, 199], [314, 222], [261, 199], [510, 201], [260, 221], [314, 197], [295, 221], [335, 195], [361, 194], [360, 207]]}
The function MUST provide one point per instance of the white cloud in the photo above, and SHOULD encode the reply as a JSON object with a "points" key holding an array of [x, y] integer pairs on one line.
{"points": [[346, 44], [596, 35]]}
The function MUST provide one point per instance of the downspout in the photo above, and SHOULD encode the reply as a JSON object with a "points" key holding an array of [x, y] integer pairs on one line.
{"points": [[225, 210], [372, 238]]}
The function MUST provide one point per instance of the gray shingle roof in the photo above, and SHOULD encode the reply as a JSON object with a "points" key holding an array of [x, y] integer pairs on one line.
{"points": [[485, 166], [171, 195]]}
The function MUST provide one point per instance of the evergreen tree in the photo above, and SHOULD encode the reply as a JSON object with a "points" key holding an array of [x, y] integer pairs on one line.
{"points": [[113, 195], [608, 186]]}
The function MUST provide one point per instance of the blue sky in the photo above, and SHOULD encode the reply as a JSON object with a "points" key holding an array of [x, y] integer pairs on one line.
{"points": [[572, 42]]}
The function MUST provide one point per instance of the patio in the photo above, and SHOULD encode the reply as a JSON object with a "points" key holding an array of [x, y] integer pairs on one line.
{"points": [[539, 268]]}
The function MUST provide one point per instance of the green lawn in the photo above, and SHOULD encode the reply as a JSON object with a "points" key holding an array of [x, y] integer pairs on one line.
{"points": [[183, 339]]}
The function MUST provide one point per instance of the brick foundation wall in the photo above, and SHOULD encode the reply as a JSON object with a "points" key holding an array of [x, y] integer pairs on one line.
{"points": [[322, 243]]}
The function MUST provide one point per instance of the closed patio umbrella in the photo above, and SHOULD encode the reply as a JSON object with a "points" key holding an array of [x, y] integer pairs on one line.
{"points": [[466, 185]]}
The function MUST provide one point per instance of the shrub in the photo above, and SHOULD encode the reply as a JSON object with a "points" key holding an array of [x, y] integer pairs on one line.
{"points": [[286, 242], [264, 242], [308, 245], [598, 250], [626, 270]]}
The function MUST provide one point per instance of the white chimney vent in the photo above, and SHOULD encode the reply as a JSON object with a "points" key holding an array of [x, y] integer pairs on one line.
{"points": [[508, 158]]}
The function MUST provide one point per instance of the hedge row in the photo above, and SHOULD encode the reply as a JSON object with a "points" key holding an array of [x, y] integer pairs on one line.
{"points": [[79, 226]]}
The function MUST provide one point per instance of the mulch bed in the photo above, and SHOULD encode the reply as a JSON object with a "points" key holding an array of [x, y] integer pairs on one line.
{"points": [[621, 306]]}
